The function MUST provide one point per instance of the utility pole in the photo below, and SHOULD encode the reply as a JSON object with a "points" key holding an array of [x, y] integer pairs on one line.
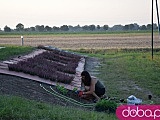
{"points": [[152, 29], [158, 17], [153, 25]]}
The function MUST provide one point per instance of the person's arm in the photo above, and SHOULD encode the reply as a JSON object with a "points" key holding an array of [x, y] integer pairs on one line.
{"points": [[94, 94], [91, 87], [82, 86]]}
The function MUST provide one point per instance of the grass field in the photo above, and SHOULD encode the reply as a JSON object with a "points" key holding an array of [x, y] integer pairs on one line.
{"points": [[15, 108], [11, 50], [129, 72]]}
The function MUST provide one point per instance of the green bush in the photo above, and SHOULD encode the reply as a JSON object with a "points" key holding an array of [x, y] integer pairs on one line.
{"points": [[62, 89], [106, 106]]}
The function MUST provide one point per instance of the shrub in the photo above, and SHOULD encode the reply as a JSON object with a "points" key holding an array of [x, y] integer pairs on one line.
{"points": [[106, 106], [61, 89]]}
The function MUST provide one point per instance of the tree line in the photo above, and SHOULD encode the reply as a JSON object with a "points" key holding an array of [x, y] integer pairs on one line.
{"points": [[41, 28]]}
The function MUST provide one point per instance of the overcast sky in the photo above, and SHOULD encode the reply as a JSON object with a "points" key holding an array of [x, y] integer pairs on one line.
{"points": [[74, 12]]}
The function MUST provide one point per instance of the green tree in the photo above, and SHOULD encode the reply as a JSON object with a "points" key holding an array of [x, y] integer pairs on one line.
{"points": [[32, 29], [7, 29], [19, 27], [39, 28], [86, 27], [149, 26], [143, 27], [92, 27], [64, 28], [131, 26], [105, 27], [47, 28], [98, 27], [126, 27], [55, 28]]}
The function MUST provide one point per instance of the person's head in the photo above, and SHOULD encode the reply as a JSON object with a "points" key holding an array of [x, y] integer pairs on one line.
{"points": [[86, 78]]}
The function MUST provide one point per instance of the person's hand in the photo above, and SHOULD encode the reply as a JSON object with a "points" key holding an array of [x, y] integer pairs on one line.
{"points": [[80, 93]]}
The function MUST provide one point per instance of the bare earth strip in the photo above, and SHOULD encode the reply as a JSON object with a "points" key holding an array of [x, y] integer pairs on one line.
{"points": [[88, 41]]}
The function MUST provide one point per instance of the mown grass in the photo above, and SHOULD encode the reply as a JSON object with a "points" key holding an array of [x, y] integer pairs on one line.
{"points": [[10, 51], [129, 72]]}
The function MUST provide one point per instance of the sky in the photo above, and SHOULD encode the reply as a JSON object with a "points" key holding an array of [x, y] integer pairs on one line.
{"points": [[75, 12]]}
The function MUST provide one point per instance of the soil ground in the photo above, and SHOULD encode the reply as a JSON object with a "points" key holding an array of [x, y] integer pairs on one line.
{"points": [[29, 89]]}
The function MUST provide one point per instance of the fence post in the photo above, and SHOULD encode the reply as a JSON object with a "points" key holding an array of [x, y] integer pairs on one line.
{"points": [[22, 40]]}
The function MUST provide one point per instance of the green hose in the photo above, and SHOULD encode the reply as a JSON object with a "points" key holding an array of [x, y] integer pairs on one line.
{"points": [[71, 98], [68, 99]]}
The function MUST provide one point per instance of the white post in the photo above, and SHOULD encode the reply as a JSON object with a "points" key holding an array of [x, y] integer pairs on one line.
{"points": [[22, 40]]}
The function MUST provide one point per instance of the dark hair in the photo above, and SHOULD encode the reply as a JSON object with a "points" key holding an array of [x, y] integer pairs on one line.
{"points": [[87, 80]]}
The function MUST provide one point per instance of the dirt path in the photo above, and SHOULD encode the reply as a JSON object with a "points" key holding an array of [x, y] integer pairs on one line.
{"points": [[91, 65]]}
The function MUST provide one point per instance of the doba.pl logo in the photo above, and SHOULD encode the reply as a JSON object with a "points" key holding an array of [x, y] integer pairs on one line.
{"points": [[138, 112]]}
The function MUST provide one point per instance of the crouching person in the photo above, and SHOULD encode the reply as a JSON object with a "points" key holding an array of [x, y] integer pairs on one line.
{"points": [[93, 88]]}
